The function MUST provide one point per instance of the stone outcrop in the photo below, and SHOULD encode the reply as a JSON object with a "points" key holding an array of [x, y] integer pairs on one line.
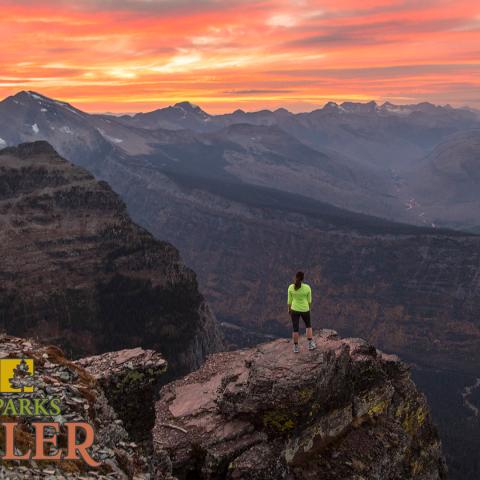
{"points": [[130, 381], [81, 400], [78, 272], [343, 411]]}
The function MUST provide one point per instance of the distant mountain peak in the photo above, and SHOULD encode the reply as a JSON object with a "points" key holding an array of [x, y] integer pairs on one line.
{"points": [[31, 98], [192, 109], [331, 105], [38, 96], [358, 107], [187, 105], [426, 104], [30, 95]]}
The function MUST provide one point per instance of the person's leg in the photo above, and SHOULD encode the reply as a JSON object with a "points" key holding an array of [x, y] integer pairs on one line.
{"points": [[296, 325], [308, 325]]}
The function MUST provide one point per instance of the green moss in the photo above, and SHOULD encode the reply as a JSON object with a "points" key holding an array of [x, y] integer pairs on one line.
{"points": [[378, 408], [411, 418], [416, 467], [133, 376], [305, 394], [278, 420], [421, 416]]}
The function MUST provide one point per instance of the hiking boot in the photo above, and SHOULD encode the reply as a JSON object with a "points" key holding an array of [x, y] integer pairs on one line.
{"points": [[312, 345], [296, 348]]}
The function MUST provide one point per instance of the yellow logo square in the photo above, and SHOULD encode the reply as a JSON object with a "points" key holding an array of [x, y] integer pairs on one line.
{"points": [[16, 375]]}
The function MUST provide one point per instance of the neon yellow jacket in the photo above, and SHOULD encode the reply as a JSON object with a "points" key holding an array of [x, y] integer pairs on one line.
{"points": [[300, 299]]}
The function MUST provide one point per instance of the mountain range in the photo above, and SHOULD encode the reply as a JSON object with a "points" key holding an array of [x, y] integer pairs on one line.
{"points": [[367, 158], [363, 197]]}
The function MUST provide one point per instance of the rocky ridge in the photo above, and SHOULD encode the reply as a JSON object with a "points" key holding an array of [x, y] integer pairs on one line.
{"points": [[351, 155], [78, 272], [345, 410]]}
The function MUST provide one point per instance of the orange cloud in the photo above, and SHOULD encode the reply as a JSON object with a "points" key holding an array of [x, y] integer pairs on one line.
{"points": [[130, 55]]}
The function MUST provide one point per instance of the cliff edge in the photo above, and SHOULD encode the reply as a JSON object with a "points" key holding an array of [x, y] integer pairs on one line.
{"points": [[343, 411], [77, 272]]}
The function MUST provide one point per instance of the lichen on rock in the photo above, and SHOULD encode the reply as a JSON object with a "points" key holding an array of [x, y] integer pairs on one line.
{"points": [[342, 411], [129, 379]]}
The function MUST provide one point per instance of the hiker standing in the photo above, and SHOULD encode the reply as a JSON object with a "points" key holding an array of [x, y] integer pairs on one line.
{"points": [[299, 303]]}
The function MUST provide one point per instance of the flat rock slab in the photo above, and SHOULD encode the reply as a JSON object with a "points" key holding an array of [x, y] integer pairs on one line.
{"points": [[114, 363]]}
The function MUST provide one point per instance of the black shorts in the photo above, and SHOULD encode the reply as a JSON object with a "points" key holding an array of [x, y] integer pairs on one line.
{"points": [[296, 319]]}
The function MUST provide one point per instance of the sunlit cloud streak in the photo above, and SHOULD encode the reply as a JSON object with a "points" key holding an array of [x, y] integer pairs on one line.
{"points": [[131, 55]]}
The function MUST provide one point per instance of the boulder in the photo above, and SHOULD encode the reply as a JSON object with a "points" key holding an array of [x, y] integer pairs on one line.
{"points": [[129, 379], [342, 411]]}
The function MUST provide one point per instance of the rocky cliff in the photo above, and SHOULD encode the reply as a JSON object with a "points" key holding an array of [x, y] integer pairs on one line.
{"points": [[343, 411], [80, 398], [78, 272], [130, 380]]}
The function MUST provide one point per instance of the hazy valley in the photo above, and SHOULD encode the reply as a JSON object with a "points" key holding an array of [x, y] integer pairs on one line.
{"points": [[362, 197]]}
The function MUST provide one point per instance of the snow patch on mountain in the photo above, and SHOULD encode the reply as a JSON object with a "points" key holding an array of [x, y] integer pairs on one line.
{"points": [[396, 109], [108, 137], [49, 101], [35, 128], [65, 105], [66, 129], [3, 143]]}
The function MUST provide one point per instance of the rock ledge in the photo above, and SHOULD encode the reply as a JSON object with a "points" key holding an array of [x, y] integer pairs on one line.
{"points": [[343, 411]]}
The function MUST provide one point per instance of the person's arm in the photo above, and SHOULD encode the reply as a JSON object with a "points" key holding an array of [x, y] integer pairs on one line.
{"points": [[309, 298], [289, 300]]}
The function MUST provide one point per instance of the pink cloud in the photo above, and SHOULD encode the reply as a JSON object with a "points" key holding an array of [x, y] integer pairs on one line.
{"points": [[128, 55]]}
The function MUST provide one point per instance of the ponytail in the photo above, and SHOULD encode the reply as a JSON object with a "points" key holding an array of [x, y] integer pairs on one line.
{"points": [[298, 280]]}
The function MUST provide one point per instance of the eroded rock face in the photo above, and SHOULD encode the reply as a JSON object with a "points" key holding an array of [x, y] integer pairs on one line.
{"points": [[129, 379], [78, 272], [343, 411]]}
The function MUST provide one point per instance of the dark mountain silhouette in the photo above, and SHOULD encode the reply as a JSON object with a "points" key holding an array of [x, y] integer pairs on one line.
{"points": [[77, 271]]}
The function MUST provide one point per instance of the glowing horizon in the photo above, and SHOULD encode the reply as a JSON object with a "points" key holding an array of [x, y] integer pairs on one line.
{"points": [[138, 55]]}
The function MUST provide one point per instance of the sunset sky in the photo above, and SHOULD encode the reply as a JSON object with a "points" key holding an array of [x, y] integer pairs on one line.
{"points": [[133, 55]]}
